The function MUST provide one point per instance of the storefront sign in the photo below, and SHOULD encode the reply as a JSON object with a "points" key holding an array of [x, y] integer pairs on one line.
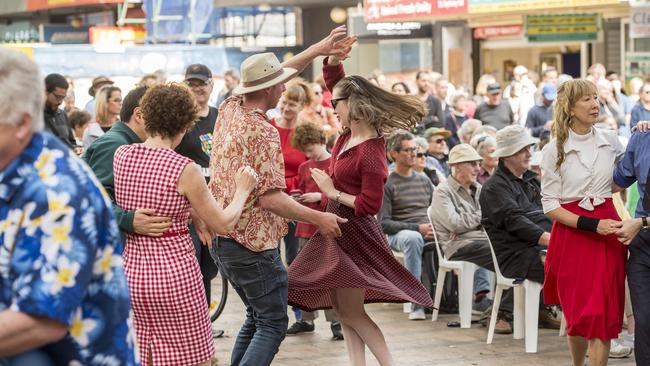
{"points": [[514, 30], [637, 64], [49, 4], [115, 36], [390, 10], [500, 6], [562, 27], [639, 21], [388, 30], [64, 34]]}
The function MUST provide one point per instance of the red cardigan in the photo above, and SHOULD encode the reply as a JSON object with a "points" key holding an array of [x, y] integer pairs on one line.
{"points": [[292, 156]]}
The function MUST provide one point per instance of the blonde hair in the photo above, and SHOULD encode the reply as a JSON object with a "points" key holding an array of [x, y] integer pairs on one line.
{"points": [[101, 103], [383, 110], [568, 94], [300, 92]]}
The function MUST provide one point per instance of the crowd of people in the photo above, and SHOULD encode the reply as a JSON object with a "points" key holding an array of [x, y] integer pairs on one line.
{"points": [[110, 257]]}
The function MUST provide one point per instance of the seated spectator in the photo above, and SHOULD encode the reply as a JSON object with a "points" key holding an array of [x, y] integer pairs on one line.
{"points": [[64, 297], [485, 145], [456, 117], [484, 130], [608, 104], [495, 112], [437, 151], [403, 215], [456, 216], [466, 131], [79, 121], [420, 166], [540, 117], [512, 214]]}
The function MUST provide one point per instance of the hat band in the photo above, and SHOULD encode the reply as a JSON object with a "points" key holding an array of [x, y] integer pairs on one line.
{"points": [[263, 80]]}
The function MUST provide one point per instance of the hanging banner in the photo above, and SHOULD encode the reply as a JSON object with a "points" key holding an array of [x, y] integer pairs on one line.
{"points": [[514, 30], [500, 6], [640, 21], [50, 4], [562, 27], [391, 10]]}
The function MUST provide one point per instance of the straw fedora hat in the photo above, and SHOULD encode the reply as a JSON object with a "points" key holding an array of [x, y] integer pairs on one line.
{"points": [[261, 71], [511, 139], [463, 153]]}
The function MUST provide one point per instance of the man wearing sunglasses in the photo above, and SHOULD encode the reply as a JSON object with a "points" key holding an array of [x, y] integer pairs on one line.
{"points": [[56, 120]]}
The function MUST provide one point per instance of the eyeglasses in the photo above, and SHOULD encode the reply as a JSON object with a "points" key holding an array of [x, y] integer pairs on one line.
{"points": [[421, 155], [196, 84], [58, 96], [336, 101]]}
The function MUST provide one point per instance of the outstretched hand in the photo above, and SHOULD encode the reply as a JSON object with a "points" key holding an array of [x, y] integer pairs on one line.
{"points": [[337, 44]]}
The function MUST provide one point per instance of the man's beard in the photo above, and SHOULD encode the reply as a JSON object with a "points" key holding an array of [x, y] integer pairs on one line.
{"points": [[50, 108]]}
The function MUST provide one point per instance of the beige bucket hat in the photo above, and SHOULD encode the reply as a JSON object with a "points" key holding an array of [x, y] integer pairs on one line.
{"points": [[511, 139], [261, 71], [463, 153]]}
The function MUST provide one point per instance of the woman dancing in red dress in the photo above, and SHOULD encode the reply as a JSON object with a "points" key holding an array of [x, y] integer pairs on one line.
{"points": [[359, 267]]}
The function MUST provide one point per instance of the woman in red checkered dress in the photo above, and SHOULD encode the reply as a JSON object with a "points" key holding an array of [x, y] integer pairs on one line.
{"points": [[359, 267], [165, 283]]}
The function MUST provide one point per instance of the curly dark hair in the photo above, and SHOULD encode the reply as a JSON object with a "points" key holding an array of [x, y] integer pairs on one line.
{"points": [[168, 110], [307, 133]]}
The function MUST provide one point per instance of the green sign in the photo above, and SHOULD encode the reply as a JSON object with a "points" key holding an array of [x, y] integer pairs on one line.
{"points": [[562, 27], [637, 64]]}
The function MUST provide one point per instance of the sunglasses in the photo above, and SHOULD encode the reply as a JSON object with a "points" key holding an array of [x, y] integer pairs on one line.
{"points": [[439, 141], [196, 84], [421, 155], [336, 101]]}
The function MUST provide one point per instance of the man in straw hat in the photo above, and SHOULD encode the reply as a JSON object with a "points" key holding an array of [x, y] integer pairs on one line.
{"points": [[249, 255], [455, 213], [511, 208]]}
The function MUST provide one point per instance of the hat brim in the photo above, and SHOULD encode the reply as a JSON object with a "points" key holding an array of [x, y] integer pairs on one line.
{"points": [[287, 73], [444, 133], [467, 159], [196, 77], [513, 149], [91, 90]]}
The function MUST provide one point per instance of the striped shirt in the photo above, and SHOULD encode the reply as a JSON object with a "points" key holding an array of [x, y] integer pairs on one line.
{"points": [[406, 200]]}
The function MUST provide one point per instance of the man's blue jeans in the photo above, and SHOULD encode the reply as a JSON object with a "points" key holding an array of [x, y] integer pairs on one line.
{"points": [[29, 358], [261, 281], [411, 243]]}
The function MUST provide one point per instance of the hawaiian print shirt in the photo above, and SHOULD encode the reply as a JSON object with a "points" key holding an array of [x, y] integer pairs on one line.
{"points": [[61, 256], [243, 137]]}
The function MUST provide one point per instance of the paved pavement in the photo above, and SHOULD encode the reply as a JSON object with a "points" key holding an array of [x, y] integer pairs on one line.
{"points": [[413, 343]]}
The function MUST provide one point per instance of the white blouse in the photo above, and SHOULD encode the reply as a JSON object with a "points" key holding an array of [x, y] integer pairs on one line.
{"points": [[585, 175]]}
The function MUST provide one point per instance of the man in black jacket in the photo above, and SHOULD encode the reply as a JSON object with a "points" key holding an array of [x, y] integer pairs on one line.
{"points": [[512, 213], [56, 121]]}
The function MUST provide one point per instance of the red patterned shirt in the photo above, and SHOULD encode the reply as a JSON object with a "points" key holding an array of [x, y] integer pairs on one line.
{"points": [[243, 136]]}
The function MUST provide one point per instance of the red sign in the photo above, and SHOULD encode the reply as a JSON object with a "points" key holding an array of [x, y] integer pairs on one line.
{"points": [[388, 10], [49, 4], [499, 31]]}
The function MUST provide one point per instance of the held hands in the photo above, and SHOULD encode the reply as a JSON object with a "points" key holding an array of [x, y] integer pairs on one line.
{"points": [[324, 182], [145, 222], [311, 197], [628, 231], [337, 44], [607, 227], [246, 179]]}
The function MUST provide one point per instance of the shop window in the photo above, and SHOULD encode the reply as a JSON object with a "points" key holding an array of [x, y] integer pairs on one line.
{"points": [[405, 55]]}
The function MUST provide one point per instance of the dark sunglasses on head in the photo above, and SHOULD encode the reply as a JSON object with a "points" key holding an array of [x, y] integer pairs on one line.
{"points": [[336, 101]]}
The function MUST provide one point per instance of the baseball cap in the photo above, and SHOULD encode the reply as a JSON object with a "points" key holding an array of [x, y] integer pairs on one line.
{"points": [[199, 72], [549, 91], [494, 88]]}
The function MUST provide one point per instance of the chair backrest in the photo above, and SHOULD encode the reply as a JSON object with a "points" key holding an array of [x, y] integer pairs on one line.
{"points": [[497, 270]]}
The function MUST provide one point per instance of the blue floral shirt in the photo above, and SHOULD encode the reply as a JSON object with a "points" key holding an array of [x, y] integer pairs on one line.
{"points": [[61, 256]]}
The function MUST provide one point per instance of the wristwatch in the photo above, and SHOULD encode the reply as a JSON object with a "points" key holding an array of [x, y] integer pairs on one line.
{"points": [[644, 222]]}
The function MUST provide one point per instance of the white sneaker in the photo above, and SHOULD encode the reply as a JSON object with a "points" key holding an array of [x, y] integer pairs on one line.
{"points": [[618, 350], [407, 307], [628, 340], [417, 314]]}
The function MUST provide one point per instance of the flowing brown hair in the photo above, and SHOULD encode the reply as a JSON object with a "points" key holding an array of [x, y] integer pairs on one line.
{"points": [[383, 110], [568, 94]]}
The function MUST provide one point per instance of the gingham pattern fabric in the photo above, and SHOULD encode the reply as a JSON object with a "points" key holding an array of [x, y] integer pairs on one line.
{"points": [[167, 295]]}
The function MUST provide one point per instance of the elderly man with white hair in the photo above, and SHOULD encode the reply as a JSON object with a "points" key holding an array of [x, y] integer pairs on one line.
{"points": [[64, 298]]}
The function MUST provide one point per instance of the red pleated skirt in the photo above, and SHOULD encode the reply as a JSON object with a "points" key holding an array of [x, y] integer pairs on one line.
{"points": [[360, 258], [585, 273]]}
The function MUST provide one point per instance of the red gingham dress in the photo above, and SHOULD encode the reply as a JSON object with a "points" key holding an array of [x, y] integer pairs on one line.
{"points": [[164, 278], [361, 257]]}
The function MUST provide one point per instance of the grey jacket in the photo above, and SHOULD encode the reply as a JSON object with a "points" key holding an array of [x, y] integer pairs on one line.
{"points": [[455, 212]]}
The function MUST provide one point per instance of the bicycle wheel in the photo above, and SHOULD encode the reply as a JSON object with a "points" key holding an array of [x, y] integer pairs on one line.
{"points": [[219, 289]]}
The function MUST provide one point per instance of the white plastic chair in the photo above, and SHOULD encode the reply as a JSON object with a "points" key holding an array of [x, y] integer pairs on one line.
{"points": [[526, 307], [465, 285]]}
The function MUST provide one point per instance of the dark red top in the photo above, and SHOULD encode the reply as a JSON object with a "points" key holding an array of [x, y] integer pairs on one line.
{"points": [[332, 74], [361, 171], [292, 156], [306, 184]]}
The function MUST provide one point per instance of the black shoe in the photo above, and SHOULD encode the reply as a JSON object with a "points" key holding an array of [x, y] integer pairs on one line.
{"points": [[300, 327], [337, 334]]}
